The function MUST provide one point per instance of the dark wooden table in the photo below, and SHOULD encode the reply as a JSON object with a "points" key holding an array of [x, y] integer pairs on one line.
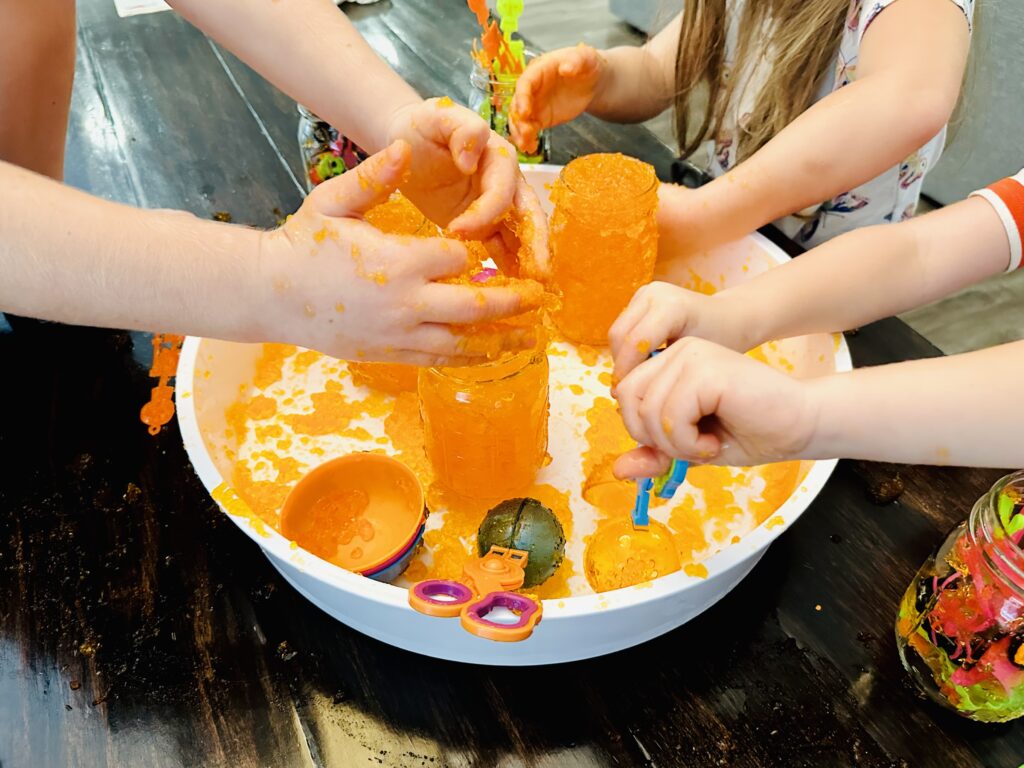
{"points": [[139, 627]]}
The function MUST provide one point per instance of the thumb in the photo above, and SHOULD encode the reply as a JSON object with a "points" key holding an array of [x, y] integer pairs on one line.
{"points": [[641, 462], [354, 193]]}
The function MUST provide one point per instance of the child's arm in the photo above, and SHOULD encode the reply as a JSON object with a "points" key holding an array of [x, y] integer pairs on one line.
{"points": [[627, 84], [847, 282], [908, 80], [464, 176], [704, 403], [325, 280]]}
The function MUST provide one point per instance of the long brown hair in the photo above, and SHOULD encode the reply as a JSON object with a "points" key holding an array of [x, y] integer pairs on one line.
{"points": [[801, 38]]}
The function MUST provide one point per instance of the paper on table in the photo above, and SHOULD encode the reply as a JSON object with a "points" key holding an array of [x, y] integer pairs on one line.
{"points": [[138, 7]]}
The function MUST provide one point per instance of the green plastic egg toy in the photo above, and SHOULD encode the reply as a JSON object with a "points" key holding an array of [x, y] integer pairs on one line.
{"points": [[528, 525]]}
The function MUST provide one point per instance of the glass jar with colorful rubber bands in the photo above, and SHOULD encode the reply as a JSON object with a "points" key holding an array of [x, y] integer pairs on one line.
{"points": [[325, 152], [960, 627]]}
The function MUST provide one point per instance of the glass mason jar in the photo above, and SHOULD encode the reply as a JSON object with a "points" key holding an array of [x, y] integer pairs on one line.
{"points": [[960, 626], [325, 152], [486, 426], [491, 97], [604, 241]]}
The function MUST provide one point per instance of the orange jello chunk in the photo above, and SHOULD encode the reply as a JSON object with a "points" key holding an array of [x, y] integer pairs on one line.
{"points": [[619, 555], [604, 241], [398, 216]]}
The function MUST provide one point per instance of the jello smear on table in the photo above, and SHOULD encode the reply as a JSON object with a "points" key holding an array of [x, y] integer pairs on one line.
{"points": [[302, 408]]}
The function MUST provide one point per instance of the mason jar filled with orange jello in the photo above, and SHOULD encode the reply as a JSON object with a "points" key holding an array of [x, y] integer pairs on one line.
{"points": [[486, 426], [604, 241]]}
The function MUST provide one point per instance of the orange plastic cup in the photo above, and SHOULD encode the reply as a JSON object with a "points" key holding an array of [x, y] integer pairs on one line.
{"points": [[363, 512]]}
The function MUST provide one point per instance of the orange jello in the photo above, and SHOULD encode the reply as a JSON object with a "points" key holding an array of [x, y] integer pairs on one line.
{"points": [[604, 241], [486, 426], [397, 216]]}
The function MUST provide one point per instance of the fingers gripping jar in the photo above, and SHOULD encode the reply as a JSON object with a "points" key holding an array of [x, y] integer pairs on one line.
{"points": [[960, 627]]}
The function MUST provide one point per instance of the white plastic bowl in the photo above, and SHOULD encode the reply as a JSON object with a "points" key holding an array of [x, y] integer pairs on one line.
{"points": [[572, 628]]}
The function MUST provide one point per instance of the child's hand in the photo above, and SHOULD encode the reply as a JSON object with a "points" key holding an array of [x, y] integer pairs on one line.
{"points": [[706, 404], [661, 313], [466, 178], [555, 88], [334, 283]]}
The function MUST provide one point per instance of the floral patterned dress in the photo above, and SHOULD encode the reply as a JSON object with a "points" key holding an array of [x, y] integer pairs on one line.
{"points": [[891, 196]]}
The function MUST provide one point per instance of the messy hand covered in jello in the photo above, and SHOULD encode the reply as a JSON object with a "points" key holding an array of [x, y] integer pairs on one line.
{"points": [[365, 295]]}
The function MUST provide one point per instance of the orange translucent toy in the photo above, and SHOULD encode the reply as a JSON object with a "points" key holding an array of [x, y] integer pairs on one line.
{"points": [[486, 426], [604, 241], [397, 216], [619, 555]]}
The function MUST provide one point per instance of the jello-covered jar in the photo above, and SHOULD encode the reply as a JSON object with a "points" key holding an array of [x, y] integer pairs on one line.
{"points": [[490, 96], [960, 627], [604, 241], [325, 152], [486, 426]]}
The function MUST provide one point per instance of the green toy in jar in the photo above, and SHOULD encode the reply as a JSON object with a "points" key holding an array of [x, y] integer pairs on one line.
{"points": [[960, 626]]}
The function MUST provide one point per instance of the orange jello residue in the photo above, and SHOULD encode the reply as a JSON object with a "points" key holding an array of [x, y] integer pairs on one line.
{"points": [[687, 529], [261, 407], [607, 439], [270, 364], [604, 241], [265, 497], [455, 541], [303, 360], [385, 377], [780, 481], [332, 412], [405, 428], [398, 216]]}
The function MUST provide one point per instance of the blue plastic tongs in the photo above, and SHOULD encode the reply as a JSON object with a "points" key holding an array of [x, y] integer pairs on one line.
{"points": [[664, 487]]}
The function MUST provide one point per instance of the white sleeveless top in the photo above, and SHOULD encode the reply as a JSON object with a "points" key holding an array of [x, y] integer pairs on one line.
{"points": [[891, 196]]}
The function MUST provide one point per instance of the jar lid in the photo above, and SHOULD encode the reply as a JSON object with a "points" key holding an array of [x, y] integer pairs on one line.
{"points": [[359, 511]]}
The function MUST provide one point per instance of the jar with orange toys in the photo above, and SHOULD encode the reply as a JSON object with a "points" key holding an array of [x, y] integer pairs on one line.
{"points": [[604, 241]]}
